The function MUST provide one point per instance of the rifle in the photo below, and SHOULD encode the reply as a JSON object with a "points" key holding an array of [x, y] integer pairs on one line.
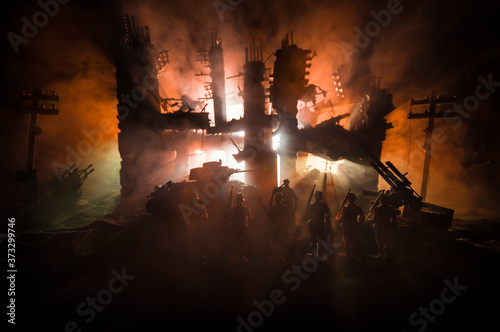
{"points": [[374, 204], [228, 211], [306, 211], [272, 195], [341, 207]]}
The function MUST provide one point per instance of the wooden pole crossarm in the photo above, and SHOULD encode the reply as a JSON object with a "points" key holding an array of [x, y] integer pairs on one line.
{"points": [[437, 101], [427, 114], [40, 111], [420, 101]]}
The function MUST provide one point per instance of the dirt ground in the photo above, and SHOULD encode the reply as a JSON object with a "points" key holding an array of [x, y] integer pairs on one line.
{"points": [[141, 279]]}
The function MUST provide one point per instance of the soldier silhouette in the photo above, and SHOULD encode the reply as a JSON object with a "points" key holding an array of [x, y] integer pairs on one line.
{"points": [[319, 217], [198, 230], [278, 224], [383, 217], [240, 219], [289, 199], [351, 216]]}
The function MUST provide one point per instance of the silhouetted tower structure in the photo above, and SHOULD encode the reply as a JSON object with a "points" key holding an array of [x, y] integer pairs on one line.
{"points": [[216, 57], [289, 84], [139, 138], [258, 135], [34, 104], [216, 89], [369, 126]]}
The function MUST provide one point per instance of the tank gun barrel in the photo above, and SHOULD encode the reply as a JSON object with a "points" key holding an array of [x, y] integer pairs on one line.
{"points": [[232, 170]]}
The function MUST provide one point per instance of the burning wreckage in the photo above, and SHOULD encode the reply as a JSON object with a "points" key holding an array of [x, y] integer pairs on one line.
{"points": [[277, 126], [270, 115], [191, 156]]}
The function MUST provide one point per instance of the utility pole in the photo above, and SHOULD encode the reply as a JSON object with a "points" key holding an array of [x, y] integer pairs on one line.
{"points": [[431, 114], [34, 104]]}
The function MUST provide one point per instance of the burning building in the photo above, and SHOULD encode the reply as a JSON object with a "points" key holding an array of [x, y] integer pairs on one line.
{"points": [[267, 136], [237, 104]]}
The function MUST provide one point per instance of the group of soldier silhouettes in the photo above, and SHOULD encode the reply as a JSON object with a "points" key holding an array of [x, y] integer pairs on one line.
{"points": [[280, 224]]}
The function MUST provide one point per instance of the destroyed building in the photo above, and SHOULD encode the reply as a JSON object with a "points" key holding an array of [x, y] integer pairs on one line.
{"points": [[269, 141]]}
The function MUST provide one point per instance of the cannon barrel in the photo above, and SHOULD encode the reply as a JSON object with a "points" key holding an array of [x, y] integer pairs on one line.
{"points": [[402, 177], [401, 191]]}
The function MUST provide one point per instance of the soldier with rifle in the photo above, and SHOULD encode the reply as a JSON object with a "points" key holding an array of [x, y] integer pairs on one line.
{"points": [[383, 217], [198, 227], [222, 242], [278, 227], [351, 217], [319, 221], [240, 219], [289, 199]]}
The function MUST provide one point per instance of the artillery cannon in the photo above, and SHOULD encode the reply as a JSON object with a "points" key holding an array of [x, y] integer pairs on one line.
{"points": [[65, 189], [401, 192], [64, 198]]}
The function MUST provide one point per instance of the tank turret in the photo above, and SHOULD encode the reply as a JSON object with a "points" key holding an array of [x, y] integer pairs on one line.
{"points": [[212, 169]]}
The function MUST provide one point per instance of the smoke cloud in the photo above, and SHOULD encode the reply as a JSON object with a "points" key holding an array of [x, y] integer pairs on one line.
{"points": [[426, 46]]}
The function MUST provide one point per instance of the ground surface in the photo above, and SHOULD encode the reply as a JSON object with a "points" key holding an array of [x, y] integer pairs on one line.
{"points": [[163, 290]]}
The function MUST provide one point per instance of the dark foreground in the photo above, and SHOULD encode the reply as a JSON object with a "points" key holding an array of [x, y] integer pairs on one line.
{"points": [[137, 277]]}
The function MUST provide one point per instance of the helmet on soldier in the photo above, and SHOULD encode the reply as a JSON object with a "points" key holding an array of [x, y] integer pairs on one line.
{"points": [[318, 195], [239, 198]]}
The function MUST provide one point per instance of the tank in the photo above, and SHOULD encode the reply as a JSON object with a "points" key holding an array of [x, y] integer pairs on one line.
{"points": [[173, 200]]}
